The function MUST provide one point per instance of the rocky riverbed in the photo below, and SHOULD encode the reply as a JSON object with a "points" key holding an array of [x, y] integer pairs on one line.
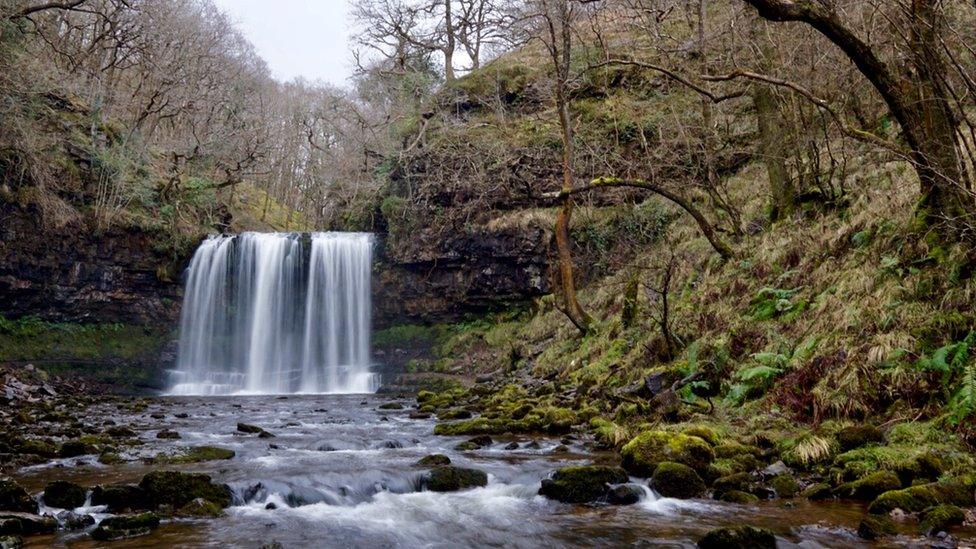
{"points": [[366, 471]]}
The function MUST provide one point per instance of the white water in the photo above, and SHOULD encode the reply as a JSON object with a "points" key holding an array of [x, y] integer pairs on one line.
{"points": [[271, 313]]}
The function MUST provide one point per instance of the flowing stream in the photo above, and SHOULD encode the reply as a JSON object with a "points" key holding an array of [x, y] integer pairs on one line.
{"points": [[342, 472], [274, 313]]}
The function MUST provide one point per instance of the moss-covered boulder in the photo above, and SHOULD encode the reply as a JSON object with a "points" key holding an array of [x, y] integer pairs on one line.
{"points": [[447, 478], [918, 498], [118, 498], [433, 460], [200, 508], [676, 480], [703, 432], [646, 451], [75, 448], [856, 436], [738, 481], [249, 429], [581, 484], [940, 518], [870, 486], [197, 454], [873, 527], [785, 486], [125, 527], [13, 497], [39, 447], [738, 537], [26, 524], [63, 494], [177, 489], [390, 406], [816, 492], [737, 496], [624, 494]]}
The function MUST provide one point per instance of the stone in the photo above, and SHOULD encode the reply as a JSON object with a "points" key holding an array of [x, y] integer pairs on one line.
{"points": [[624, 494], [120, 432], [249, 429], [126, 527], [75, 521], [512, 446], [676, 480], [64, 495], [26, 524], [168, 434], [75, 448], [785, 486], [177, 489], [737, 496], [873, 527], [646, 451], [447, 478], [738, 537], [13, 497], [940, 518], [434, 460], [581, 484], [390, 406], [200, 508], [918, 498], [776, 469], [856, 436], [118, 498]]}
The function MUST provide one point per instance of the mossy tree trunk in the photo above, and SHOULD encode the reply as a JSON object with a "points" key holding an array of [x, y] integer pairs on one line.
{"points": [[772, 139]]}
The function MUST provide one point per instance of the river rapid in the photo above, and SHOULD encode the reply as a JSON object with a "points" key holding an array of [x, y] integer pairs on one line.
{"points": [[340, 472]]}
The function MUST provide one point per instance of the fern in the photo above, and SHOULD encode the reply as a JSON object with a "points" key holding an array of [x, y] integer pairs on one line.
{"points": [[958, 371], [963, 402]]}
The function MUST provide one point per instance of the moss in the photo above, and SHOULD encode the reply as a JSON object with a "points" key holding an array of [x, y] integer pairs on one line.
{"points": [[873, 527], [940, 518], [177, 489], [447, 478], [200, 508], [870, 486], [434, 460], [733, 482], [785, 486], [738, 537], [817, 492], [734, 449], [850, 438], [581, 484], [124, 527], [647, 450], [918, 498], [703, 432], [198, 454], [676, 480], [736, 496]]}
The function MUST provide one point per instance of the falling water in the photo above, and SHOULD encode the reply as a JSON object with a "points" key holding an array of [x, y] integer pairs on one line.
{"points": [[277, 313]]}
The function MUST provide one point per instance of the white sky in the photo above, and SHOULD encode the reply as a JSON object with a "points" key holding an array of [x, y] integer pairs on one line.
{"points": [[308, 38]]}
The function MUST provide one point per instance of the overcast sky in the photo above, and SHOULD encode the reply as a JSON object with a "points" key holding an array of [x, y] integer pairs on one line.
{"points": [[308, 38]]}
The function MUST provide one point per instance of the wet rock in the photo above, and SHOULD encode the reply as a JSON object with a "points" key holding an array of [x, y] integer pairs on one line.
{"points": [[13, 497], [11, 542], [75, 521], [817, 492], [157, 415], [869, 486], [270, 506], [785, 486], [125, 527], [75, 448], [776, 469], [918, 498], [447, 478], [561, 449], [419, 415], [676, 480], [434, 460], [481, 441], [200, 508], [512, 446], [454, 413], [738, 481], [120, 432], [177, 489], [737, 496], [466, 446], [874, 527], [265, 434], [390, 406], [738, 537], [197, 454], [63, 494], [168, 434], [26, 524], [181, 415], [940, 518], [624, 494], [533, 445], [249, 429], [646, 451], [581, 484], [850, 438], [390, 444], [39, 447], [120, 497]]}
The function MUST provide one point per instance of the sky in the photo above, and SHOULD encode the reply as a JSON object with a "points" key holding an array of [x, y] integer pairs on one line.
{"points": [[307, 38]]}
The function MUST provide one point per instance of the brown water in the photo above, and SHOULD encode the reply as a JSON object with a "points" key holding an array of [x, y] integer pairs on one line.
{"points": [[342, 473]]}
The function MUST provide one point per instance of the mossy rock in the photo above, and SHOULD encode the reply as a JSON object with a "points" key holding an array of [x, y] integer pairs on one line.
{"points": [[874, 527], [736, 481], [39, 447], [200, 508], [434, 460], [856, 436], [646, 451], [249, 429], [870, 486], [940, 518], [197, 454], [817, 492], [447, 478], [918, 498], [27, 524], [581, 484], [64, 495], [390, 406], [75, 448], [466, 446], [738, 537], [703, 432], [453, 414], [14, 498], [738, 496], [624, 494], [785, 486], [731, 450], [177, 489], [126, 527], [676, 480], [120, 497]]}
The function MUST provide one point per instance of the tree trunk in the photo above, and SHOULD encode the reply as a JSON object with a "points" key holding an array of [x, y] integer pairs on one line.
{"points": [[772, 140], [450, 42]]}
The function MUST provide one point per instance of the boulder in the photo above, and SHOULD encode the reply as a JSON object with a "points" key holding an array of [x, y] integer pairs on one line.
{"points": [[177, 489], [582, 484], [125, 527], [120, 497], [63, 494], [200, 508], [737, 496], [873, 527], [26, 524], [646, 451], [13, 497], [940, 518], [738, 537], [390, 406], [785, 486], [249, 429], [75, 521], [918, 498], [870, 486], [434, 460], [168, 434], [850, 438], [624, 494], [676, 480], [447, 478], [75, 448], [817, 492]]}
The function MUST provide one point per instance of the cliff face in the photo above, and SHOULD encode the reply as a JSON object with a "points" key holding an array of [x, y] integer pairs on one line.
{"points": [[425, 280], [69, 274]]}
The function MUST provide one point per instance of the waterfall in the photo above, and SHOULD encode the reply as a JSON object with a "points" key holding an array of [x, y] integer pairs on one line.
{"points": [[277, 313]]}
